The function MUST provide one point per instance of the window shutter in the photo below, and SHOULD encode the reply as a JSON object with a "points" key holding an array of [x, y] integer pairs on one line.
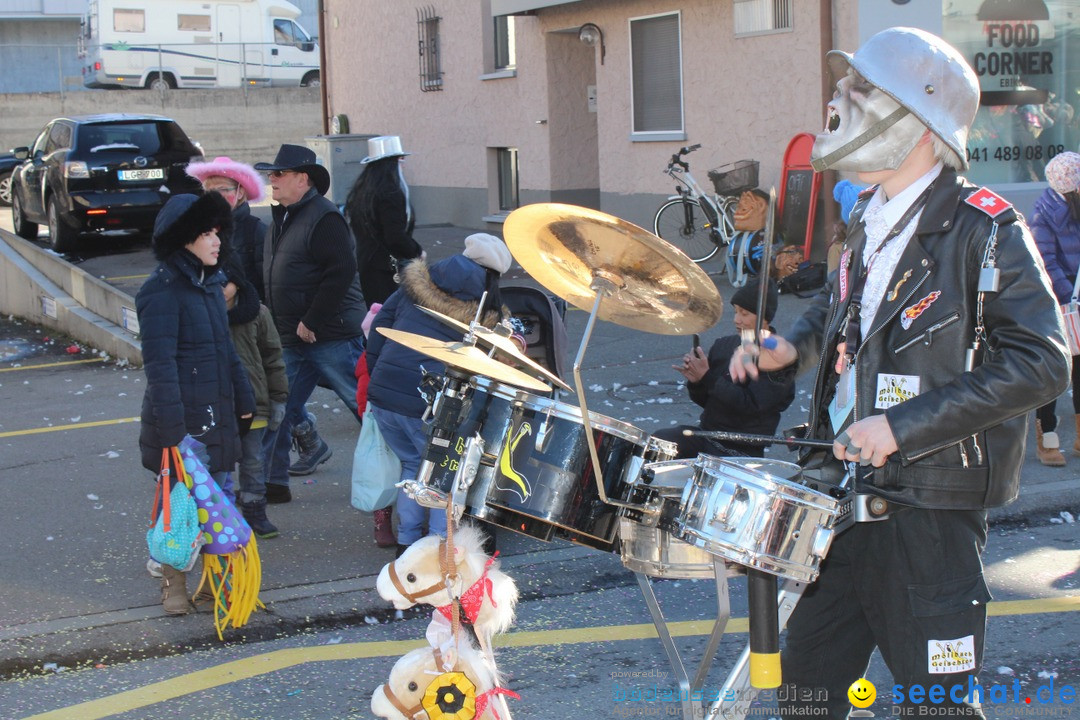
{"points": [[657, 74]]}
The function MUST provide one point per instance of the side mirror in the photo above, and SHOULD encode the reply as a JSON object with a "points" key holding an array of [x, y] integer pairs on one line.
{"points": [[307, 47], [21, 153]]}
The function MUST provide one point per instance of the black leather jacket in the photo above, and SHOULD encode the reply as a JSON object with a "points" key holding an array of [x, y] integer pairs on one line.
{"points": [[961, 437]]}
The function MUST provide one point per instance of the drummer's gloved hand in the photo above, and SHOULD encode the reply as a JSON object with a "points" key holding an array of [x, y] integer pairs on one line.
{"points": [[869, 441]]}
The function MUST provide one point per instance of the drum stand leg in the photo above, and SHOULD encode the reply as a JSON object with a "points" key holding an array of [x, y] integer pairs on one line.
{"points": [[736, 695], [688, 689]]}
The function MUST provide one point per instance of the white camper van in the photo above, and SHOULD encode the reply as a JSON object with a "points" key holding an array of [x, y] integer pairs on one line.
{"points": [[196, 44]]}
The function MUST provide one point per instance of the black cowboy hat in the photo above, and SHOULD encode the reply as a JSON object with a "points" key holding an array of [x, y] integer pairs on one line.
{"points": [[299, 159]]}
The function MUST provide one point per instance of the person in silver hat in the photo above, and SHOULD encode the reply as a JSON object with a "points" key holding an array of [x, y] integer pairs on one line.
{"points": [[382, 219], [927, 364]]}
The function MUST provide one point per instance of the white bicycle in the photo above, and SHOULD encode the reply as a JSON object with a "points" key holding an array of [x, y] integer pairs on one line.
{"points": [[698, 222]]}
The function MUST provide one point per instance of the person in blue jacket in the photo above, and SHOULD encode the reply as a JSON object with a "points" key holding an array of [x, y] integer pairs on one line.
{"points": [[195, 382], [453, 287], [1055, 223]]}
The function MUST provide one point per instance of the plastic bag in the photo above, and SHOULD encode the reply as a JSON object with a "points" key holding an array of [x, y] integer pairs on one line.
{"points": [[376, 469]]}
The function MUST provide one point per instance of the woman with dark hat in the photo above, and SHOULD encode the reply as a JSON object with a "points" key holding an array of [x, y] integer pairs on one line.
{"points": [[381, 218], [195, 382]]}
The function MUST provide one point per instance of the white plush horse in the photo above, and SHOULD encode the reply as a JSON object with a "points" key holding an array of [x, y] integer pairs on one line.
{"points": [[488, 595], [402, 696]]}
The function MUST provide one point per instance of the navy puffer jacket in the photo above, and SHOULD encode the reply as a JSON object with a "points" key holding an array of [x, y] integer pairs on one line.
{"points": [[1057, 236], [452, 287], [196, 384]]}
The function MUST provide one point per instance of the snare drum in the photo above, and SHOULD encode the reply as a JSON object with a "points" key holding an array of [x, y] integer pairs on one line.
{"points": [[646, 541], [752, 512], [536, 464]]}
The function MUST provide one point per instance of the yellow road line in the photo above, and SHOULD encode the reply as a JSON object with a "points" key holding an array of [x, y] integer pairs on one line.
{"points": [[73, 426], [126, 277], [53, 364], [247, 668]]}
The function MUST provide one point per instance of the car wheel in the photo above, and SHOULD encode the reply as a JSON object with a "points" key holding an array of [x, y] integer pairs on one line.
{"points": [[23, 228], [311, 80], [5, 189], [61, 237]]}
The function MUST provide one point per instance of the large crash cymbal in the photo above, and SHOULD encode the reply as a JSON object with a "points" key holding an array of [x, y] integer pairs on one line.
{"points": [[465, 357], [649, 284], [501, 343]]}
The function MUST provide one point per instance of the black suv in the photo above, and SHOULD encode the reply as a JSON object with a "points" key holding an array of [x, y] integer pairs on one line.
{"points": [[99, 173]]}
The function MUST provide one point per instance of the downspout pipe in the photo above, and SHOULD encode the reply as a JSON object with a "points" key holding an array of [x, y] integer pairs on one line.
{"points": [[829, 214]]}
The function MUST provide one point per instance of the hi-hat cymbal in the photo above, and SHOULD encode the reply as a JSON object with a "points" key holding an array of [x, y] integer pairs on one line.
{"points": [[649, 284], [500, 342], [465, 357]]}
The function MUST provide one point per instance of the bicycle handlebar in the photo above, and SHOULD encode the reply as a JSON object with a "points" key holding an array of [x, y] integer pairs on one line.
{"points": [[676, 159]]}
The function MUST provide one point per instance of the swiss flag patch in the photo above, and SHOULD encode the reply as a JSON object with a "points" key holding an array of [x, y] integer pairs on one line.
{"points": [[988, 201]]}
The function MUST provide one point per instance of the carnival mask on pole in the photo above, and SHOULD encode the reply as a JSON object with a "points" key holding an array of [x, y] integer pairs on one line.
{"points": [[901, 82]]}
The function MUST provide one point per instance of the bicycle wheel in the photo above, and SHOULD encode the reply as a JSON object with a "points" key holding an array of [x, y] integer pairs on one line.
{"points": [[682, 223]]}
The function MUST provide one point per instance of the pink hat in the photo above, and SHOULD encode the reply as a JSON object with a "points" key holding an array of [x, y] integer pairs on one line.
{"points": [[1063, 172], [225, 167]]}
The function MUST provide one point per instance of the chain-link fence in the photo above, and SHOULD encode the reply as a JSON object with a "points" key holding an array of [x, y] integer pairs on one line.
{"points": [[40, 68]]}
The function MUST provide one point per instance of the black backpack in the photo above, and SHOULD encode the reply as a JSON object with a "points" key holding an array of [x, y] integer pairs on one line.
{"points": [[805, 281]]}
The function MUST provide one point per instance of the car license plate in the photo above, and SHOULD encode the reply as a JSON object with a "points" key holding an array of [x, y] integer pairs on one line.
{"points": [[146, 174]]}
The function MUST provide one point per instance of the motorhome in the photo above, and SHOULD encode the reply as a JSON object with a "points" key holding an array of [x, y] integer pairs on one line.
{"points": [[165, 44]]}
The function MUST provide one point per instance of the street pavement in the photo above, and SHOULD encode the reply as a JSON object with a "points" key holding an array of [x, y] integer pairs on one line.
{"points": [[73, 589]]}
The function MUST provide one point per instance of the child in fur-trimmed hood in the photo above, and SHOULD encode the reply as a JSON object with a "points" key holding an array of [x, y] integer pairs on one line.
{"points": [[453, 287]]}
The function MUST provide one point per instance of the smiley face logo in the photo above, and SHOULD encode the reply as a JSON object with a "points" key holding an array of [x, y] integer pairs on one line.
{"points": [[862, 693]]}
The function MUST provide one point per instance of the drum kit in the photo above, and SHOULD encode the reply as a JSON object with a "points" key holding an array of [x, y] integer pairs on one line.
{"points": [[504, 449]]}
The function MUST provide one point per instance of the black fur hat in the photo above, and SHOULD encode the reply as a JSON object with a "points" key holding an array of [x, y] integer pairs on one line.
{"points": [[185, 217]]}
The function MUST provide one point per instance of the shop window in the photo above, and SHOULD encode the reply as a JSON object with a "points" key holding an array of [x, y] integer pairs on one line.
{"points": [[1022, 52], [758, 17], [656, 77], [129, 20]]}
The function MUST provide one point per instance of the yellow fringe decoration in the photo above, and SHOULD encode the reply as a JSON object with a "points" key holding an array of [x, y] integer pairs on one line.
{"points": [[234, 581]]}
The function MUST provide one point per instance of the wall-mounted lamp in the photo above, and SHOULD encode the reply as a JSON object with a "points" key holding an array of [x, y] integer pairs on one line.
{"points": [[592, 36]]}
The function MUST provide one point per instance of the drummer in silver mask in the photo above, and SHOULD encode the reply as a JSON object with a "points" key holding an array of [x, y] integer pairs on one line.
{"points": [[933, 339]]}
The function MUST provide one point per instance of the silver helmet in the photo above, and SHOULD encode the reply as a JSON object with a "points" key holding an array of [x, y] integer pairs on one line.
{"points": [[924, 74]]}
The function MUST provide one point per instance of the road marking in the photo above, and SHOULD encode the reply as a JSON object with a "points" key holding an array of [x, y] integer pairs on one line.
{"points": [[73, 426], [126, 277], [263, 663], [54, 364]]}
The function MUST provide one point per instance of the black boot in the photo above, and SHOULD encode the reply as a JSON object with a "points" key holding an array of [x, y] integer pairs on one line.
{"points": [[255, 514], [277, 493], [313, 449], [400, 550]]}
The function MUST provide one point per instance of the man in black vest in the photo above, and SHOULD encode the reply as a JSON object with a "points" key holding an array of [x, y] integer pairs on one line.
{"points": [[313, 292], [935, 336]]}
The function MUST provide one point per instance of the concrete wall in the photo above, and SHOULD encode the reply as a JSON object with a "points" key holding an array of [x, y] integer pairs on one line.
{"points": [[247, 125]]}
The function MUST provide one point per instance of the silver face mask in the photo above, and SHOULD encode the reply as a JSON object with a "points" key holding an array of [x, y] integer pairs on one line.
{"points": [[866, 130]]}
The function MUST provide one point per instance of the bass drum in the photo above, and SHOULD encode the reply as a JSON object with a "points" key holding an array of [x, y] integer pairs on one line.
{"points": [[752, 512]]}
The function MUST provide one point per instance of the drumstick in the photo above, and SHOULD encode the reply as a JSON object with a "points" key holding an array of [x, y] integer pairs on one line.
{"points": [[764, 629], [749, 439]]}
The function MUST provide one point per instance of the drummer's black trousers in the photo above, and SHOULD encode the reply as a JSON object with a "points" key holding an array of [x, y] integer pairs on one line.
{"points": [[912, 586]]}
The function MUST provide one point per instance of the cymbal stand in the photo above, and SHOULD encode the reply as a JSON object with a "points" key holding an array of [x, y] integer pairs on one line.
{"points": [[691, 707], [603, 287]]}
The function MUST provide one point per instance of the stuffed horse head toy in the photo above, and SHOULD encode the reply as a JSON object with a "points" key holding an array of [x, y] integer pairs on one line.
{"points": [[488, 595], [421, 685]]}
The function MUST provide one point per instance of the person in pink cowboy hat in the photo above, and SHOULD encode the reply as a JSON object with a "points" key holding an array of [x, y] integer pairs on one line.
{"points": [[239, 184]]}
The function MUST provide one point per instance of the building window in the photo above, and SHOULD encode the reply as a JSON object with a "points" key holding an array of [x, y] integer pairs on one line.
{"points": [[193, 23], [507, 164], [656, 84], [505, 50], [1023, 54], [129, 20], [760, 17], [427, 29]]}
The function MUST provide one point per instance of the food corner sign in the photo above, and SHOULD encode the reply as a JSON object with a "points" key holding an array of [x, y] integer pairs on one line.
{"points": [[1015, 52]]}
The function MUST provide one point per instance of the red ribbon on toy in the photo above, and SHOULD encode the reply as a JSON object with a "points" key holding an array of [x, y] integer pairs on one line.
{"points": [[483, 698], [473, 598]]}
